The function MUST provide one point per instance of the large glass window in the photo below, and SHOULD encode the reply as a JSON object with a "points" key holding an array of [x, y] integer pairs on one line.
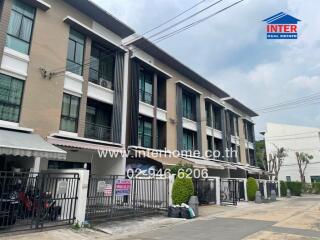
{"points": [[146, 86], [145, 132], [101, 66], [69, 113], [11, 90], [188, 140], [20, 27], [209, 114], [75, 52], [188, 106], [217, 118]]}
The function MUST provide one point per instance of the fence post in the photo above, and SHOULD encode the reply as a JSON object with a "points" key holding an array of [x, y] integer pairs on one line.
{"points": [[218, 201], [265, 188], [80, 213], [171, 181], [245, 189], [279, 189]]}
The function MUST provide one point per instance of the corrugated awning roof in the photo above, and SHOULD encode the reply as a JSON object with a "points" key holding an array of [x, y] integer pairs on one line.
{"points": [[235, 103], [28, 144], [207, 163]]}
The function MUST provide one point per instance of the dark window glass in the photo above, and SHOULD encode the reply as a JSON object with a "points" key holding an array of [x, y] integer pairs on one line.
{"points": [[188, 105], [209, 114], [217, 118], [20, 27], [69, 113], [146, 86], [101, 66], [11, 90], [145, 132], [188, 140], [75, 52]]}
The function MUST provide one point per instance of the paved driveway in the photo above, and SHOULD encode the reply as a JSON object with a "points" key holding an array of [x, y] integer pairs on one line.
{"points": [[288, 219]]}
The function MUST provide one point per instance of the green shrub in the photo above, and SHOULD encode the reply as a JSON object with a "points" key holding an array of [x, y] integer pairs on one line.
{"points": [[316, 187], [307, 188], [182, 189], [283, 188], [295, 188], [252, 188]]}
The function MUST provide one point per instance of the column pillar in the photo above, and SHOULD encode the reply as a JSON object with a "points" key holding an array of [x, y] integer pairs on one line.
{"points": [[155, 105]]}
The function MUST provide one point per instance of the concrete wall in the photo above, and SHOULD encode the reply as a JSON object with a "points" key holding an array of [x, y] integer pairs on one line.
{"points": [[294, 139]]}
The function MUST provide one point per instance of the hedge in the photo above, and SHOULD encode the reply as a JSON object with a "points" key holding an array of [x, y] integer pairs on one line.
{"points": [[252, 188], [295, 188], [316, 187], [182, 189], [283, 188]]}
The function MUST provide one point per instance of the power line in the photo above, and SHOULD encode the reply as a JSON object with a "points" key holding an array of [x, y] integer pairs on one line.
{"points": [[194, 23]]}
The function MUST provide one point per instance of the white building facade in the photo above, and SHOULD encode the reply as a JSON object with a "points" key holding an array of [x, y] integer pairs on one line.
{"points": [[294, 139]]}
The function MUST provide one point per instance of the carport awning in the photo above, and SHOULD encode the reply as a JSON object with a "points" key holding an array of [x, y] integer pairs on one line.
{"points": [[28, 144], [207, 163]]}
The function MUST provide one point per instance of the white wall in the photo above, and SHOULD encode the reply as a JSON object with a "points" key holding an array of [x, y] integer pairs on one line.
{"points": [[294, 139]]}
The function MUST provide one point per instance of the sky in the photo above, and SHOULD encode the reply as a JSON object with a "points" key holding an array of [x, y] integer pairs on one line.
{"points": [[231, 50]]}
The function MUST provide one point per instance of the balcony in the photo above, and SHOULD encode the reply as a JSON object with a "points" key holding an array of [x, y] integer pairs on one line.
{"points": [[98, 132]]}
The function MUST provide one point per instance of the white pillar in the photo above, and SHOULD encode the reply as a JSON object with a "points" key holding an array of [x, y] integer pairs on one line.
{"points": [[265, 189], [80, 213], [171, 181], [245, 190], [279, 189], [218, 200], [36, 165], [125, 97]]}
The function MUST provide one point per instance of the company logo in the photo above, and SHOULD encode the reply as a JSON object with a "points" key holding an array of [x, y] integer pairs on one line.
{"points": [[282, 26]]}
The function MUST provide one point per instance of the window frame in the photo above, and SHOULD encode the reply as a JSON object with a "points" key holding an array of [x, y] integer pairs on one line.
{"points": [[20, 27], [190, 136], [141, 134], [73, 61], [68, 117], [21, 97], [188, 101], [142, 85], [101, 50]]}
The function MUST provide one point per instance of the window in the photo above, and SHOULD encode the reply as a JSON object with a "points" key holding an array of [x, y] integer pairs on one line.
{"points": [[75, 52], [288, 178], [231, 121], [145, 132], [315, 179], [188, 140], [101, 66], [209, 114], [210, 146], [146, 86], [20, 27], [68, 165], [11, 90], [98, 120], [188, 106], [217, 118], [239, 154], [69, 113]]}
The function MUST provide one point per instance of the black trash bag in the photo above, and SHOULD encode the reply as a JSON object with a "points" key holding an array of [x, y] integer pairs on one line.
{"points": [[174, 212], [185, 213]]}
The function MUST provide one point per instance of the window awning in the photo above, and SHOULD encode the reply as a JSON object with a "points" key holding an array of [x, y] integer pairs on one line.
{"points": [[83, 143], [164, 159], [28, 144], [207, 163]]}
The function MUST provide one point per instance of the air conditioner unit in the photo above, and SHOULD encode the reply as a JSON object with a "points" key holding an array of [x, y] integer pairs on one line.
{"points": [[105, 83]]}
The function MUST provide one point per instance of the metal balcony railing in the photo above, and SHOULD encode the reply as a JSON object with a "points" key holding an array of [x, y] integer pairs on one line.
{"points": [[98, 131]]}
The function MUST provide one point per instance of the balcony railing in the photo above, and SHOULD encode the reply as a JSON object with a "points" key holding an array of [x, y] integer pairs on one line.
{"points": [[98, 131]]}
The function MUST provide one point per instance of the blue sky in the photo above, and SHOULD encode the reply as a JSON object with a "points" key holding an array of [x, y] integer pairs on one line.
{"points": [[232, 51]]}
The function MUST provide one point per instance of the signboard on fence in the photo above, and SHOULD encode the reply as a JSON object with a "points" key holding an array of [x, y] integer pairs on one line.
{"points": [[123, 187], [108, 190], [62, 187], [101, 186]]}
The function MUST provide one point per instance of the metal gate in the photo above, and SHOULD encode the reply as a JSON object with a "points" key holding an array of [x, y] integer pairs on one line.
{"points": [[116, 196], [205, 189], [261, 189], [229, 191], [37, 200], [241, 191], [271, 185]]}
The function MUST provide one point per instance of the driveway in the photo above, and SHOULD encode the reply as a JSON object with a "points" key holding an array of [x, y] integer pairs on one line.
{"points": [[295, 218]]}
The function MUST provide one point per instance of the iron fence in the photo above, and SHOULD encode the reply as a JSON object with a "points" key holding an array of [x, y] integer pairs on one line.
{"points": [[37, 200], [229, 191], [116, 196], [271, 185]]}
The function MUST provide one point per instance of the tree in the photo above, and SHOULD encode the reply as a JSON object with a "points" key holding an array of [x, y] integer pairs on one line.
{"points": [[276, 161], [261, 154], [303, 160]]}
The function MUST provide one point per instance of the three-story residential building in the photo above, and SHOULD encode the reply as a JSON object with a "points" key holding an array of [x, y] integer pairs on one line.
{"points": [[63, 77], [74, 80]]}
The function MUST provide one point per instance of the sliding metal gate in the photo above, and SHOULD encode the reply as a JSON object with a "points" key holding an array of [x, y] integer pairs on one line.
{"points": [[37, 200], [229, 191], [205, 189], [116, 197]]}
